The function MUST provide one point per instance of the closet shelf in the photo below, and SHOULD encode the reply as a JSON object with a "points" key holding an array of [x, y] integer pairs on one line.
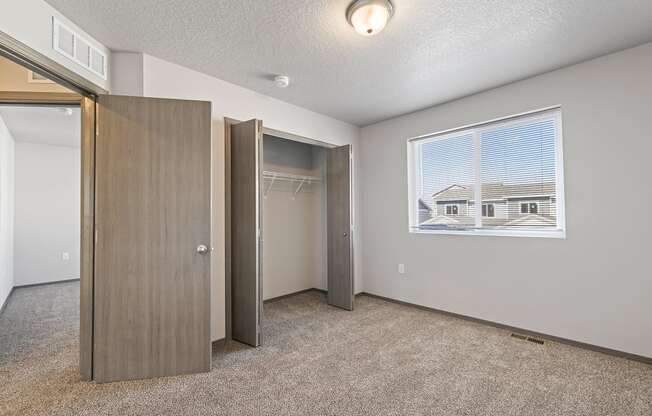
{"points": [[283, 176]]}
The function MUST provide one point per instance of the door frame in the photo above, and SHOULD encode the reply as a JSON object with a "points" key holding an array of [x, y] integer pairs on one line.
{"points": [[85, 97], [28, 57]]}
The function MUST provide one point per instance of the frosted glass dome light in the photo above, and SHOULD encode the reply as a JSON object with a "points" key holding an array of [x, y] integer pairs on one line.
{"points": [[369, 17]]}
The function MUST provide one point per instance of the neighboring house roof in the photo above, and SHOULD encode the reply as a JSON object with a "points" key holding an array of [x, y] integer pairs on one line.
{"points": [[496, 191], [454, 193], [531, 220], [424, 205], [444, 220]]}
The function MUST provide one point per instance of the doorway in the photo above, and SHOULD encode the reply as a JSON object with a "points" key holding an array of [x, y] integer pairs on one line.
{"points": [[46, 191], [46, 127], [41, 178], [144, 242]]}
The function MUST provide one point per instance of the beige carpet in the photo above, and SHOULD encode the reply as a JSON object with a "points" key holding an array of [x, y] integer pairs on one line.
{"points": [[381, 359]]}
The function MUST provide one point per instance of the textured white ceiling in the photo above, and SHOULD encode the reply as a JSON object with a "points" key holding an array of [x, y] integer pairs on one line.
{"points": [[44, 125], [431, 52]]}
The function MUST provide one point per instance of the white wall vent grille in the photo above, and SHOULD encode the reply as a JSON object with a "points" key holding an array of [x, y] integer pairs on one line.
{"points": [[83, 52], [97, 61], [74, 46]]}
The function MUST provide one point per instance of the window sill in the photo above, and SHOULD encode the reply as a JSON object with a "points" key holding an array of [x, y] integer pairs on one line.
{"points": [[559, 234]]}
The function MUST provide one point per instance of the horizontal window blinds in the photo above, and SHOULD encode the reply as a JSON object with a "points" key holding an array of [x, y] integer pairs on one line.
{"points": [[497, 176]]}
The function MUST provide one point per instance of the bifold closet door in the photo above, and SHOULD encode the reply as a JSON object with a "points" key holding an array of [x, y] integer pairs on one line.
{"points": [[152, 251], [245, 144], [340, 248]]}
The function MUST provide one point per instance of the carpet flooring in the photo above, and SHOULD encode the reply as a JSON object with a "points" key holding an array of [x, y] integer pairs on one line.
{"points": [[381, 359]]}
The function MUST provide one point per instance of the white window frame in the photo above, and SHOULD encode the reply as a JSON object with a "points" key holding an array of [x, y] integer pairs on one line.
{"points": [[543, 113]]}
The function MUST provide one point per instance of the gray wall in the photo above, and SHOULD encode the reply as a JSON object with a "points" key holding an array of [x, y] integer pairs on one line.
{"points": [[595, 285], [287, 153], [7, 148], [47, 220]]}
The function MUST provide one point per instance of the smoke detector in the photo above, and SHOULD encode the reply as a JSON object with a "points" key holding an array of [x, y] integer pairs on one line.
{"points": [[281, 81]]}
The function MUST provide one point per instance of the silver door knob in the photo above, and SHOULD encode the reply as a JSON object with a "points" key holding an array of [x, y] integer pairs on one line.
{"points": [[345, 234], [202, 249]]}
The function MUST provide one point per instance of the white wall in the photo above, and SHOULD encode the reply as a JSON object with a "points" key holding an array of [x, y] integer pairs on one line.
{"points": [[127, 73], [165, 79], [592, 287], [7, 149], [291, 231], [47, 219], [30, 22]]}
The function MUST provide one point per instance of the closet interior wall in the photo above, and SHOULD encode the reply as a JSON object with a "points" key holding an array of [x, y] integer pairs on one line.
{"points": [[294, 217]]}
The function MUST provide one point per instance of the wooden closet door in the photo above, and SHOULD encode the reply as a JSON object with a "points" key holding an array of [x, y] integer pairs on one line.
{"points": [[245, 144], [340, 247], [152, 252]]}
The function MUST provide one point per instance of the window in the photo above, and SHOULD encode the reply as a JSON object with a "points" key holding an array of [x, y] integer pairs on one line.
{"points": [[529, 208], [452, 210], [515, 163], [488, 210]]}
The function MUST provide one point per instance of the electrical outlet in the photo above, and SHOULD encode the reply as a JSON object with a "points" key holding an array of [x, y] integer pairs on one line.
{"points": [[401, 268], [65, 256]]}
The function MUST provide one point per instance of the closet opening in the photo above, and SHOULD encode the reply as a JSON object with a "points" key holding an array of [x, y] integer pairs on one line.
{"points": [[288, 223], [294, 226]]}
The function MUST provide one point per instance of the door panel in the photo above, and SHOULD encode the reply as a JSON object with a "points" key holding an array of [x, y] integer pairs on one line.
{"points": [[152, 208], [340, 259], [245, 219]]}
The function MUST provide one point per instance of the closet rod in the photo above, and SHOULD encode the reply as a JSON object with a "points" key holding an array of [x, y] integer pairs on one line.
{"points": [[276, 176]]}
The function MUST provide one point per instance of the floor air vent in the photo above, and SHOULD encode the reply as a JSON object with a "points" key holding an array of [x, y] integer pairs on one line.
{"points": [[526, 338]]}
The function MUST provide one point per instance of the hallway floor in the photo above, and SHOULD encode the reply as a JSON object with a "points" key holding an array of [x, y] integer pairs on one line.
{"points": [[381, 359]]}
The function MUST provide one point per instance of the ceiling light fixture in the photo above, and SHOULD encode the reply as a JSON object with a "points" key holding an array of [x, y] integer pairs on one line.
{"points": [[369, 17]]}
